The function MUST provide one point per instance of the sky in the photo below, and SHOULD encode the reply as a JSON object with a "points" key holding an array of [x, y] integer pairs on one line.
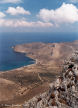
{"points": [[38, 15]]}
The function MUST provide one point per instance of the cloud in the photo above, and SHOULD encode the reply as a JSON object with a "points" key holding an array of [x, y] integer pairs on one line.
{"points": [[10, 1], [66, 14], [17, 10], [2, 15], [73, 1], [22, 23]]}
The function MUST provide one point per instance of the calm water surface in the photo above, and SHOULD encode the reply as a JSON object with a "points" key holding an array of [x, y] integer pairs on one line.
{"points": [[11, 60]]}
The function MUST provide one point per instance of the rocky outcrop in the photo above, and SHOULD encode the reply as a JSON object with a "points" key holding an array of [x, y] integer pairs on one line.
{"points": [[63, 93]]}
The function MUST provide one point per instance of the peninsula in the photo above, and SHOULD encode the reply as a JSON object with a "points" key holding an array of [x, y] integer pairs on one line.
{"points": [[20, 85]]}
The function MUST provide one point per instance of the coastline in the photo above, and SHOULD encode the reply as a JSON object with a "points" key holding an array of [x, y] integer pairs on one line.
{"points": [[35, 60], [21, 67], [27, 81]]}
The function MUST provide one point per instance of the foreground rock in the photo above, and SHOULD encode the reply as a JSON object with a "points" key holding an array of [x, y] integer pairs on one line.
{"points": [[26, 82], [63, 93]]}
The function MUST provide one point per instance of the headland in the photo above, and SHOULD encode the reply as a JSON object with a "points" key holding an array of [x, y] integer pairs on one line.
{"points": [[20, 85]]}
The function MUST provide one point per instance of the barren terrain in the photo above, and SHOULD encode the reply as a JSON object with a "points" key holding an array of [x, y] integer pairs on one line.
{"points": [[19, 85]]}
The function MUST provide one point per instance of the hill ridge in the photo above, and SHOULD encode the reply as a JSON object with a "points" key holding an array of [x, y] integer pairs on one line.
{"points": [[63, 93]]}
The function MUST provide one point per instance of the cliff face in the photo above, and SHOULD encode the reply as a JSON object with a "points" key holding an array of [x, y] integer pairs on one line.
{"points": [[63, 93]]}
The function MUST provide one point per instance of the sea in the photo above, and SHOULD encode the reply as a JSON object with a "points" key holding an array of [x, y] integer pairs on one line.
{"points": [[11, 60]]}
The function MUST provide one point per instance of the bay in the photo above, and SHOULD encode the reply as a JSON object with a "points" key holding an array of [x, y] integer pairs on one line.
{"points": [[11, 60]]}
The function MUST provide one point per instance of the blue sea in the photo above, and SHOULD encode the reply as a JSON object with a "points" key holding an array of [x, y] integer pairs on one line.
{"points": [[10, 60]]}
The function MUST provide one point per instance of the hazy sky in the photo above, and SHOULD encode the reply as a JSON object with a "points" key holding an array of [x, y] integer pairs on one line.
{"points": [[39, 15]]}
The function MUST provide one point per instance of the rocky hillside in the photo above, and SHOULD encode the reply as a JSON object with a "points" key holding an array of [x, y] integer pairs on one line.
{"points": [[63, 93]]}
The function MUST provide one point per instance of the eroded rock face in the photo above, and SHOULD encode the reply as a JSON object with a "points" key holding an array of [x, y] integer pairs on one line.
{"points": [[63, 93]]}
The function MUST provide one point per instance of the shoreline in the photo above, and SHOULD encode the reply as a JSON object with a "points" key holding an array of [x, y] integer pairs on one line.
{"points": [[48, 59], [19, 68], [35, 60], [22, 67]]}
